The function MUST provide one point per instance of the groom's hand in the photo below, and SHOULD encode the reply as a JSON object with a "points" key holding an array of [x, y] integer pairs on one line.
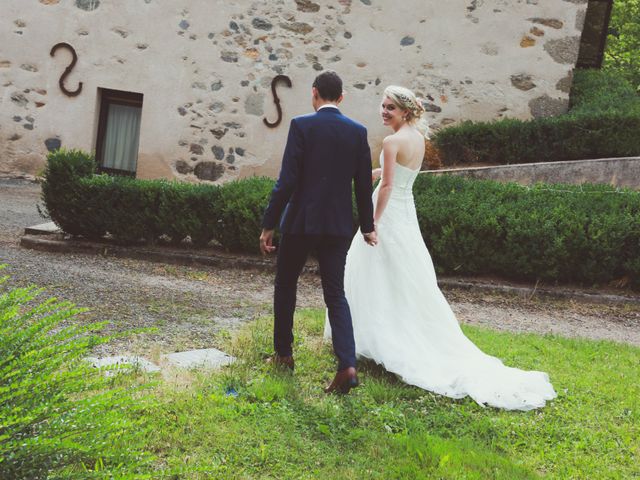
{"points": [[266, 242], [371, 238]]}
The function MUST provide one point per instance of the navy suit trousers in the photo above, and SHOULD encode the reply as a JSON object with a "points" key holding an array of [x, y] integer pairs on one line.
{"points": [[292, 255]]}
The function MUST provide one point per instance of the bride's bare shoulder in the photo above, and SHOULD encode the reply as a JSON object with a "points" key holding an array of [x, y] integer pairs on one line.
{"points": [[393, 139]]}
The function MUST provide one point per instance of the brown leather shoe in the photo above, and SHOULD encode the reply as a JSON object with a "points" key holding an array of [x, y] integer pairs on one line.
{"points": [[344, 381], [281, 362]]}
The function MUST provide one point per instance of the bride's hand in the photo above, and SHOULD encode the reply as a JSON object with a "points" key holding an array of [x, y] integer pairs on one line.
{"points": [[375, 174], [371, 238]]}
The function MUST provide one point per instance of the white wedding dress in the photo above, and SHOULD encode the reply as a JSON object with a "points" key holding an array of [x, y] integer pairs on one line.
{"points": [[402, 321]]}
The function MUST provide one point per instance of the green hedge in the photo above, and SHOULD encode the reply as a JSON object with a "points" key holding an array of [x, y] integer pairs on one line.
{"points": [[588, 234], [604, 122], [240, 209], [61, 190], [133, 211]]}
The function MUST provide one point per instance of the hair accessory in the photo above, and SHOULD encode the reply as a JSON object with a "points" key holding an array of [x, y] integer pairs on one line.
{"points": [[411, 104]]}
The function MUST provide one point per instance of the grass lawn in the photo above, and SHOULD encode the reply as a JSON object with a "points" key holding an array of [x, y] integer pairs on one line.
{"points": [[282, 426]]}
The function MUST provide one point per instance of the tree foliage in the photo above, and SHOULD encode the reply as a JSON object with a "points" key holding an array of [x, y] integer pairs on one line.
{"points": [[622, 52]]}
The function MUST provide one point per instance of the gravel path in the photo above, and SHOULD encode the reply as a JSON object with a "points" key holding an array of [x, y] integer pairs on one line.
{"points": [[191, 307]]}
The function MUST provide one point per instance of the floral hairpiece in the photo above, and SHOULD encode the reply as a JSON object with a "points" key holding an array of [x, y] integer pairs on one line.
{"points": [[413, 105]]}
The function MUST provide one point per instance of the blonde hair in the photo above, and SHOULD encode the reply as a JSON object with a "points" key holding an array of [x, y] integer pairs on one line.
{"points": [[406, 100]]}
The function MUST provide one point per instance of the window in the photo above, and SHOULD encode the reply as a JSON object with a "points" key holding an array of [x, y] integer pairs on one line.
{"points": [[118, 132]]}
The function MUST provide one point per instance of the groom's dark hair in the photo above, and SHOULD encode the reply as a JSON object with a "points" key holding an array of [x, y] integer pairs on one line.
{"points": [[329, 85]]}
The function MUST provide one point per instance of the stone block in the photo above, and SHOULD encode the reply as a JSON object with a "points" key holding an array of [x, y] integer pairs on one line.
{"points": [[209, 171], [548, 22], [307, 6], [406, 41], [209, 358], [522, 82], [297, 27], [563, 50], [183, 167], [254, 104], [87, 5], [52, 144], [261, 24], [546, 106]]}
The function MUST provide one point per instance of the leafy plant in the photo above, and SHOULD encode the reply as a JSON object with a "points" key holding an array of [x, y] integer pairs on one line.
{"points": [[59, 415], [622, 53]]}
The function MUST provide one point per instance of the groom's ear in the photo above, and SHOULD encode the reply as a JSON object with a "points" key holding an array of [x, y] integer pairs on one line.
{"points": [[340, 98]]}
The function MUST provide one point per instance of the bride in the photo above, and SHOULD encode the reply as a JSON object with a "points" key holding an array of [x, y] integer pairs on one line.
{"points": [[401, 320]]}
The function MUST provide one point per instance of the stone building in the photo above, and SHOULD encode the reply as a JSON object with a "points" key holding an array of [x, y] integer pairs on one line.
{"points": [[182, 89]]}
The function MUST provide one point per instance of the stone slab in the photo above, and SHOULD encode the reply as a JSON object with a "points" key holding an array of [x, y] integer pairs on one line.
{"points": [[135, 362], [42, 229], [618, 172], [209, 358]]}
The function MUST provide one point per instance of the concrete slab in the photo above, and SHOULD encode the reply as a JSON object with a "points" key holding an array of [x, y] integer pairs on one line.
{"points": [[42, 229], [618, 172], [205, 358], [135, 362]]}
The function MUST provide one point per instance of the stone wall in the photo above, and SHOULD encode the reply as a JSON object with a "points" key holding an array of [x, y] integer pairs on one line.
{"points": [[205, 70], [619, 172]]}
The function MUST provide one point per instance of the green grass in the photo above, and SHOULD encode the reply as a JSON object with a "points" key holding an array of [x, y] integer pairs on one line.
{"points": [[282, 426]]}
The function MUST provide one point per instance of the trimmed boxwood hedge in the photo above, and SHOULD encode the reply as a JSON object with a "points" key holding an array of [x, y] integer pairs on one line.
{"points": [[604, 121], [588, 234], [134, 211]]}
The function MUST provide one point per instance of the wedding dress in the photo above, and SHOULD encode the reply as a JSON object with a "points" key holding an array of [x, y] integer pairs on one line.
{"points": [[402, 321]]}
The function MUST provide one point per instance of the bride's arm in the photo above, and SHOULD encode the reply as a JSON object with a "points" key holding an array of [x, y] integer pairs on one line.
{"points": [[390, 149]]}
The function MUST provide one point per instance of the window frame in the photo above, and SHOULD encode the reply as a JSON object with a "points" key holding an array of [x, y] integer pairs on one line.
{"points": [[107, 98]]}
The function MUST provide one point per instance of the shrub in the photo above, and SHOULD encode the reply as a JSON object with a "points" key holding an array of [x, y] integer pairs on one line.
{"points": [[604, 122], [57, 413], [189, 210], [596, 91], [588, 234], [566, 137], [242, 204], [130, 210], [60, 192]]}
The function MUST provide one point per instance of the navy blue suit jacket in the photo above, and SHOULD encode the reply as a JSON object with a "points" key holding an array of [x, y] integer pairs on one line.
{"points": [[326, 153]]}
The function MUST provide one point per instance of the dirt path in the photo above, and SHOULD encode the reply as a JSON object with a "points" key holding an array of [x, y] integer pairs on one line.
{"points": [[191, 307]]}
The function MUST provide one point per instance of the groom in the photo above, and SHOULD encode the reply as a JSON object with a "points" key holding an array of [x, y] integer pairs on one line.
{"points": [[325, 153]]}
